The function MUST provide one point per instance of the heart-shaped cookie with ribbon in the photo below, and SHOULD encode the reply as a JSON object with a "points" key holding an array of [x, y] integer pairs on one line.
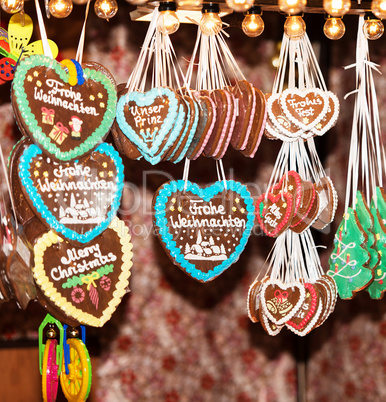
{"points": [[65, 121], [203, 230], [85, 282], [151, 120], [77, 199], [281, 301], [274, 212], [304, 108]]}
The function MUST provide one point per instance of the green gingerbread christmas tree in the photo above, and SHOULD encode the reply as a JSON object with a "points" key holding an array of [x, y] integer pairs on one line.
{"points": [[349, 258], [367, 222], [378, 287]]}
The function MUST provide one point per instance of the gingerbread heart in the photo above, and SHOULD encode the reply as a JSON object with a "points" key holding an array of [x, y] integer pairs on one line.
{"points": [[281, 301], [85, 282], [253, 300], [291, 182], [269, 327], [77, 199], [331, 116], [304, 108], [65, 121], [151, 120], [203, 230], [281, 127], [275, 212], [306, 317]]}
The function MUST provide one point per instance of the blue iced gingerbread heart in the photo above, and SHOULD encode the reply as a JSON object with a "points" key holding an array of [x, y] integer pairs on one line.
{"points": [[66, 121], [77, 199], [151, 120], [203, 230]]}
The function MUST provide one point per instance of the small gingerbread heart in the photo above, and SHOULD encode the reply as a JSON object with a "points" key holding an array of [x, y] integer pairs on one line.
{"points": [[275, 212], [309, 312], [304, 108], [281, 301]]}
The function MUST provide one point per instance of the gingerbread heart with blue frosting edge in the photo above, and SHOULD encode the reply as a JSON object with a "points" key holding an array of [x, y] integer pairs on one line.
{"points": [[143, 118], [170, 193], [90, 168], [66, 121]]}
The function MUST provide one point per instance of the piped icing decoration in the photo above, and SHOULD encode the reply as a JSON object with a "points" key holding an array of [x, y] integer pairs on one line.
{"points": [[367, 223], [331, 116], [274, 212], [83, 114], [309, 312], [349, 258], [269, 327], [281, 301], [377, 287], [304, 108], [85, 282], [191, 132], [77, 199], [151, 120], [203, 230]]}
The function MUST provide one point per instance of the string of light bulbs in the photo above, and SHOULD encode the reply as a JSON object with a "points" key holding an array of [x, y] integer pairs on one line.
{"points": [[211, 24]]}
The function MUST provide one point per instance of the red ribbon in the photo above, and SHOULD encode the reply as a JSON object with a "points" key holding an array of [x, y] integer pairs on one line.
{"points": [[48, 112], [280, 296], [60, 129]]}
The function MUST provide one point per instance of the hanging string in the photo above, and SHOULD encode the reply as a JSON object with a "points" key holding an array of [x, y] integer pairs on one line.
{"points": [[43, 34], [79, 51]]}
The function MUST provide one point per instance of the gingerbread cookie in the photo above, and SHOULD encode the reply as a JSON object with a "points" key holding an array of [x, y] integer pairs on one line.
{"points": [[203, 230], [77, 199], [275, 212], [349, 259], [152, 121], [65, 121], [281, 301], [305, 319], [377, 287], [85, 282]]}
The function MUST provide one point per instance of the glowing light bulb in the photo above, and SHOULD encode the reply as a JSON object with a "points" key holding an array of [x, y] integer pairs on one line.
{"points": [[294, 27], [334, 28], [12, 6], [105, 9], [210, 24], [378, 7], [253, 24], [60, 8], [240, 5], [292, 6], [168, 22], [372, 27], [336, 8]]}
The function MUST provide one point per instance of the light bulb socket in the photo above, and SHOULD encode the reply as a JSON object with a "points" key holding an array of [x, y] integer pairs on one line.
{"points": [[370, 16], [167, 6], [254, 10], [210, 8], [329, 17], [295, 15]]}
